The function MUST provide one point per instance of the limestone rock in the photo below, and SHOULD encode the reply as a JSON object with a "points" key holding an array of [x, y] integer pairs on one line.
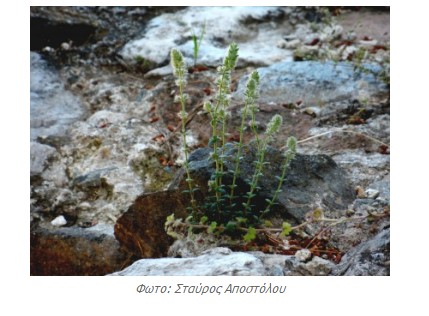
{"points": [[256, 47], [314, 83], [223, 261], [59, 221], [369, 258], [316, 267], [214, 262], [52, 108], [39, 154]]}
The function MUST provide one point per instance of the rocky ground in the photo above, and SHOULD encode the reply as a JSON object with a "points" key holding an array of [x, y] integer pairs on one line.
{"points": [[106, 153]]}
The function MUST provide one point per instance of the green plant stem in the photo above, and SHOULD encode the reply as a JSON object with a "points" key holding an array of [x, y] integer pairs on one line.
{"points": [[217, 180], [251, 95], [218, 114], [221, 102], [253, 126], [272, 127], [197, 43], [179, 70], [278, 190], [256, 175], [186, 149], [238, 155], [289, 155]]}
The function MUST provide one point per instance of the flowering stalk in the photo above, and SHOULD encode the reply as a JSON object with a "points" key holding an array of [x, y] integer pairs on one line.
{"points": [[180, 71], [251, 95], [218, 117], [272, 128], [253, 125]]}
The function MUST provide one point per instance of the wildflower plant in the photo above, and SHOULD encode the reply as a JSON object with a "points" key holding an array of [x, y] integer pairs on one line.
{"points": [[251, 96], [218, 116], [180, 71], [222, 210]]}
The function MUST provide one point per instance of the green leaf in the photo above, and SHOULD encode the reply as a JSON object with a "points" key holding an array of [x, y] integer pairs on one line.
{"points": [[203, 220], [212, 227], [241, 220], [250, 235], [169, 220], [286, 229], [245, 206], [267, 223], [231, 226], [173, 234], [195, 41]]}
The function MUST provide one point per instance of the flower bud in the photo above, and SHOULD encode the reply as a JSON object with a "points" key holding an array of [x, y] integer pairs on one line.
{"points": [[178, 64], [274, 125], [291, 144], [231, 57]]}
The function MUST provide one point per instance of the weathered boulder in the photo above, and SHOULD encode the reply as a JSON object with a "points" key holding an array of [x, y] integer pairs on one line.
{"points": [[75, 251], [213, 262], [368, 258], [316, 83], [222, 26], [223, 261], [311, 181], [315, 267], [140, 230]]}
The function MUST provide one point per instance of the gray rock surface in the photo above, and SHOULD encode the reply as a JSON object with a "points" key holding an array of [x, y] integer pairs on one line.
{"points": [[383, 187], [52, 108], [369, 258], [39, 154], [362, 168], [315, 267], [315, 83], [222, 261], [213, 262], [311, 180]]}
